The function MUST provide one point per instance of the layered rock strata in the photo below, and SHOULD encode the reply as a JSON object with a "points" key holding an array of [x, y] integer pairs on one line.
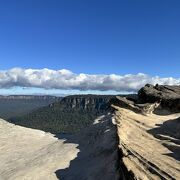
{"points": [[149, 142]]}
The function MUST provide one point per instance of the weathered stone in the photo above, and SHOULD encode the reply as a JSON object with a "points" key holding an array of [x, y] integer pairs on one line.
{"points": [[169, 96]]}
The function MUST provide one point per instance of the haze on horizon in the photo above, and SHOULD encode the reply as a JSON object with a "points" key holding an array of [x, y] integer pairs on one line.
{"points": [[102, 47]]}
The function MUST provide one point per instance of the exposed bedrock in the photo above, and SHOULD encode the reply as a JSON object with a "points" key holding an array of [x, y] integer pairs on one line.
{"points": [[149, 142], [169, 96]]}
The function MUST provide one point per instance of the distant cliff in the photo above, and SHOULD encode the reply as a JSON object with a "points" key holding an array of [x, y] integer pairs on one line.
{"points": [[17, 105], [69, 115], [86, 102], [29, 97]]}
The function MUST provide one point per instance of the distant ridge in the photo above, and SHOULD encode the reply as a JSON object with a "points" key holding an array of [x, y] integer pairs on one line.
{"points": [[69, 115], [28, 97], [17, 105]]}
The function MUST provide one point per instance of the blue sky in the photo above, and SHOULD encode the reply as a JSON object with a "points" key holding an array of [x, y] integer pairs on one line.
{"points": [[92, 36]]}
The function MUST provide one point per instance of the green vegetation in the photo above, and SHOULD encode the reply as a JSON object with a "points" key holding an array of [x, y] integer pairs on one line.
{"points": [[70, 115]]}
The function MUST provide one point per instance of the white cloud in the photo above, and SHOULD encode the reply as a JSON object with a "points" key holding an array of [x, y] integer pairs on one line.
{"points": [[66, 80]]}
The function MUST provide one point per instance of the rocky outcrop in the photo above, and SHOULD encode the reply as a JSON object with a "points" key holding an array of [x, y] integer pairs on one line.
{"points": [[87, 102], [148, 152], [146, 108], [149, 142], [169, 96]]}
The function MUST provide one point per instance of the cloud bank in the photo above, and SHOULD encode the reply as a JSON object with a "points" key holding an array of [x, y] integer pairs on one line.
{"points": [[67, 80]]}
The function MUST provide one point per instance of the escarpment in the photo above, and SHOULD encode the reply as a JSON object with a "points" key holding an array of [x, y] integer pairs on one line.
{"points": [[148, 130], [87, 102], [68, 115]]}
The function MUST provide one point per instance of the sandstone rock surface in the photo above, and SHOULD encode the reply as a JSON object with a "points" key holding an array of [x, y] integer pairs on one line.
{"points": [[28, 154], [150, 147], [150, 141]]}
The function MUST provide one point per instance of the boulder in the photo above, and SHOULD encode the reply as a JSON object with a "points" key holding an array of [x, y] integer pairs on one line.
{"points": [[169, 96]]}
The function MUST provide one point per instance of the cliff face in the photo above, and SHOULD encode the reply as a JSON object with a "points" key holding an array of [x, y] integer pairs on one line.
{"points": [[87, 102], [149, 141], [69, 115]]}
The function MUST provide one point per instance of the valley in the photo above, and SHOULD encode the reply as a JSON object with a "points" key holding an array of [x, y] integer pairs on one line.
{"points": [[96, 137], [18, 105]]}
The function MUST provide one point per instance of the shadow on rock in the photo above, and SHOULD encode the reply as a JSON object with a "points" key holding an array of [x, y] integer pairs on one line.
{"points": [[169, 132], [98, 154]]}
